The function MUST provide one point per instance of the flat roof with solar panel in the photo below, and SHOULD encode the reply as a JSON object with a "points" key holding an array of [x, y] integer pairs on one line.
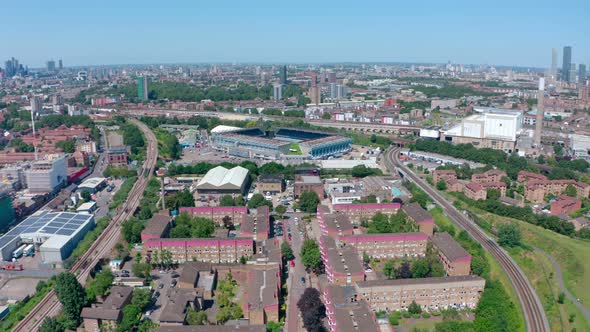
{"points": [[50, 231]]}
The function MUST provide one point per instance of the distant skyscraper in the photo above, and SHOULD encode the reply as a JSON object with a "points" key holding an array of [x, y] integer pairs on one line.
{"points": [[142, 88], [11, 67], [283, 75], [51, 65], [567, 64], [540, 113], [61, 65], [553, 71], [331, 77], [582, 73], [573, 73], [277, 92]]}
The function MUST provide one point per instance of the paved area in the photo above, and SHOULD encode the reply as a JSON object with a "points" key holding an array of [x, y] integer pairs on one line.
{"points": [[164, 279], [562, 287], [17, 289], [296, 287]]}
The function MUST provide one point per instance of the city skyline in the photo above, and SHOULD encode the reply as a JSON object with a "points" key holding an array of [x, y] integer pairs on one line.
{"points": [[378, 31]]}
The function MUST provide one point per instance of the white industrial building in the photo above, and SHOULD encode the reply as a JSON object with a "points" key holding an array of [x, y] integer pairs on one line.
{"points": [[48, 174], [493, 128], [54, 234], [93, 185], [221, 180], [580, 145]]}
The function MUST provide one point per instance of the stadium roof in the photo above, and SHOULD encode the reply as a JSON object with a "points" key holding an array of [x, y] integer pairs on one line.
{"points": [[223, 178], [224, 129]]}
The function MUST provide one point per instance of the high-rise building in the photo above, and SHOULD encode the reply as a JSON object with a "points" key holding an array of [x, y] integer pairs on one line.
{"points": [[283, 75], [142, 88], [338, 91], [11, 67], [567, 64], [51, 65], [540, 113], [61, 65], [277, 92], [553, 71], [36, 104], [573, 73], [582, 73], [331, 77], [47, 175], [315, 95]]}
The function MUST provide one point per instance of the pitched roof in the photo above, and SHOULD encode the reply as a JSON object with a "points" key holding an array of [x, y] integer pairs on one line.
{"points": [[222, 177], [449, 247]]}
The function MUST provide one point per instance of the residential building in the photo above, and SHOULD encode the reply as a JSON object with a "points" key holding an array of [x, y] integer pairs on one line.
{"points": [[345, 313], [262, 295], [565, 204], [342, 263], [455, 259], [308, 183], [444, 175], [432, 294], [424, 220], [333, 225], [236, 214], [213, 328], [524, 176], [475, 191], [283, 75], [212, 250], [500, 186], [365, 211], [277, 92], [271, 183], [489, 176], [180, 300], [257, 225], [536, 190], [107, 315], [388, 246], [142, 88], [454, 186], [157, 227]]}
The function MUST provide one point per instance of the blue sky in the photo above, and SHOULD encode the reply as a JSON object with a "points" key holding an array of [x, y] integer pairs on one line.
{"points": [[517, 32]]}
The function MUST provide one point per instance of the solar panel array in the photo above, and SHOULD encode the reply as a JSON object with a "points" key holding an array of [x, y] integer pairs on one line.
{"points": [[48, 223]]}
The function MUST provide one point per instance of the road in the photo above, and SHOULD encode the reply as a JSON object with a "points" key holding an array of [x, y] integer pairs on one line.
{"points": [[49, 305], [534, 315], [295, 286], [562, 287]]}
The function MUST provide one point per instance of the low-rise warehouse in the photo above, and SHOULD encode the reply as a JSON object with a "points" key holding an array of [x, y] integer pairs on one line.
{"points": [[93, 185], [221, 180], [55, 234]]}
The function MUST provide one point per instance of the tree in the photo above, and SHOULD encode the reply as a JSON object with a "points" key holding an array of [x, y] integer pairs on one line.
{"points": [[100, 285], [131, 230], [258, 200], [85, 194], [509, 235], [68, 146], [226, 200], [571, 191], [287, 251], [51, 324], [273, 326], [141, 297], [203, 227], [281, 210], [141, 270], [71, 295], [312, 309], [414, 308], [326, 116], [453, 326], [310, 255], [404, 271], [441, 185], [420, 268], [181, 199], [309, 201], [389, 269], [196, 317], [131, 316], [361, 171]]}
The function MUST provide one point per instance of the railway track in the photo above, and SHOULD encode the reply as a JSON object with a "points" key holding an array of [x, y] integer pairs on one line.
{"points": [[534, 315], [50, 306]]}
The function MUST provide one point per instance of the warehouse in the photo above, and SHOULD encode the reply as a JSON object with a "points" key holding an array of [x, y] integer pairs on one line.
{"points": [[93, 185], [221, 180], [54, 234]]}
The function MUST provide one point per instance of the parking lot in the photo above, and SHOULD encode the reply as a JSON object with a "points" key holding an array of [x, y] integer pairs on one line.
{"points": [[162, 283]]}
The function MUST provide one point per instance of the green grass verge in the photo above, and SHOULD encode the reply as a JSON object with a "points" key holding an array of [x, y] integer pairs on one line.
{"points": [[19, 311], [121, 194], [571, 254], [297, 148]]}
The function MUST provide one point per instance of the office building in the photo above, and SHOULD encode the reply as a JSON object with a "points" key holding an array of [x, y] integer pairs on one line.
{"points": [[553, 71], [47, 175], [142, 88], [566, 64], [573, 73], [61, 64], [277, 92], [12, 67], [51, 65], [6, 207], [283, 75], [36, 104], [331, 77], [432, 294], [582, 74]]}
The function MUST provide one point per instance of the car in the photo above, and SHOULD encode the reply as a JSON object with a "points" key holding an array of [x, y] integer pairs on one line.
{"points": [[163, 272], [173, 283], [160, 286], [175, 274], [149, 312], [292, 262], [156, 294], [303, 280], [125, 271], [296, 219]]}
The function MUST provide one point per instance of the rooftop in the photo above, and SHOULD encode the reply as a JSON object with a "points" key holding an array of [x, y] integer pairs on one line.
{"points": [[416, 212], [221, 177], [419, 281], [449, 247]]}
